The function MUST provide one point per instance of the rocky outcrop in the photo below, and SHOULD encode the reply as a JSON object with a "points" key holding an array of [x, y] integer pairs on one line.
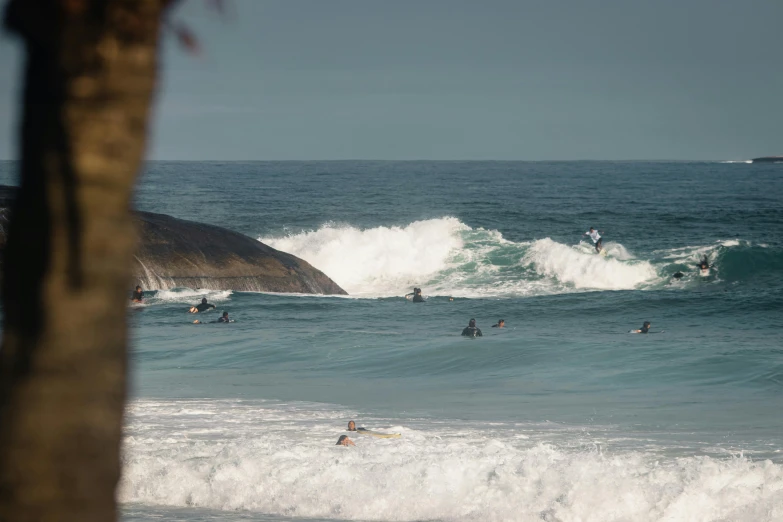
{"points": [[768, 159], [178, 253]]}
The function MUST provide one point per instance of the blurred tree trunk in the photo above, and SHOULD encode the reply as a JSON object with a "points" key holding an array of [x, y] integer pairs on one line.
{"points": [[88, 83]]}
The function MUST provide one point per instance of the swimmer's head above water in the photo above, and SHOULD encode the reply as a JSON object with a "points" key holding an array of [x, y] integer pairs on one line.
{"points": [[344, 441]]}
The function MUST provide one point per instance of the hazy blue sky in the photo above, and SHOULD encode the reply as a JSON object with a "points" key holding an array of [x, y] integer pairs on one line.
{"points": [[466, 79]]}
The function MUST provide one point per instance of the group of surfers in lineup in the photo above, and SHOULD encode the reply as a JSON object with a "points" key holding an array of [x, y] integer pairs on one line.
{"points": [[474, 331], [704, 266], [469, 331], [203, 306]]}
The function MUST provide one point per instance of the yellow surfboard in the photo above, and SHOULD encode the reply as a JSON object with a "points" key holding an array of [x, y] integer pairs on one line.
{"points": [[362, 431]]}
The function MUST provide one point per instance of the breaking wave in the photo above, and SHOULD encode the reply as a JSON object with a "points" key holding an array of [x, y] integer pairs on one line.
{"points": [[282, 460], [448, 257]]}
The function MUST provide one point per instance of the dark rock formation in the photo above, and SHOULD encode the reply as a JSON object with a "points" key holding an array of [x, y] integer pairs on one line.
{"points": [[768, 159], [178, 253]]}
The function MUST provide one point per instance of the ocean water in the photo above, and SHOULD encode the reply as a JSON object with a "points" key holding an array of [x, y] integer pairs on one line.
{"points": [[561, 416]]}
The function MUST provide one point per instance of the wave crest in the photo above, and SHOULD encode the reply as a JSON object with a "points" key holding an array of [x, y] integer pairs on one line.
{"points": [[381, 261], [447, 257], [587, 270]]}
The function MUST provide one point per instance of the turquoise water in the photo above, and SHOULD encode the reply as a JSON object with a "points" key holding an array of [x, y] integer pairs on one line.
{"points": [[561, 416]]}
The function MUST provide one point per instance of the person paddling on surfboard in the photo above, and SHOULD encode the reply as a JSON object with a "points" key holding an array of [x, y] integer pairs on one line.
{"points": [[644, 329], [704, 264], [201, 307], [223, 319], [364, 431], [596, 237], [138, 295]]}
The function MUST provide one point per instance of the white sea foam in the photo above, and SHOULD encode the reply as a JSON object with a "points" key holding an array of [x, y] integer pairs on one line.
{"points": [[187, 295], [451, 258], [182, 295], [584, 269], [281, 460], [692, 254], [382, 261]]}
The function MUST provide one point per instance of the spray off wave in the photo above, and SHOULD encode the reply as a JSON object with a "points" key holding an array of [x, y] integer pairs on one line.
{"points": [[451, 258], [584, 270], [380, 261]]}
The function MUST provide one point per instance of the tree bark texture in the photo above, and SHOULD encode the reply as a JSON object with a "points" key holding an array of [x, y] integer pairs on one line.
{"points": [[89, 79]]}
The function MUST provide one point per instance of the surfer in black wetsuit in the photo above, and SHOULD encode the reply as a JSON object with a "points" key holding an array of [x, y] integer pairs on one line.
{"points": [[223, 319], [201, 307], [501, 324], [352, 427], [472, 330], [138, 295], [644, 329], [678, 275], [415, 296]]}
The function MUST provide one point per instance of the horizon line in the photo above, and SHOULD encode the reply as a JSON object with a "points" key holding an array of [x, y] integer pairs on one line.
{"points": [[464, 160]]}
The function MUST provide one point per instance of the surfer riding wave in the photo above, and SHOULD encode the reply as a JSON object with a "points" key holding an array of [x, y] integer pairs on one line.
{"points": [[596, 237]]}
